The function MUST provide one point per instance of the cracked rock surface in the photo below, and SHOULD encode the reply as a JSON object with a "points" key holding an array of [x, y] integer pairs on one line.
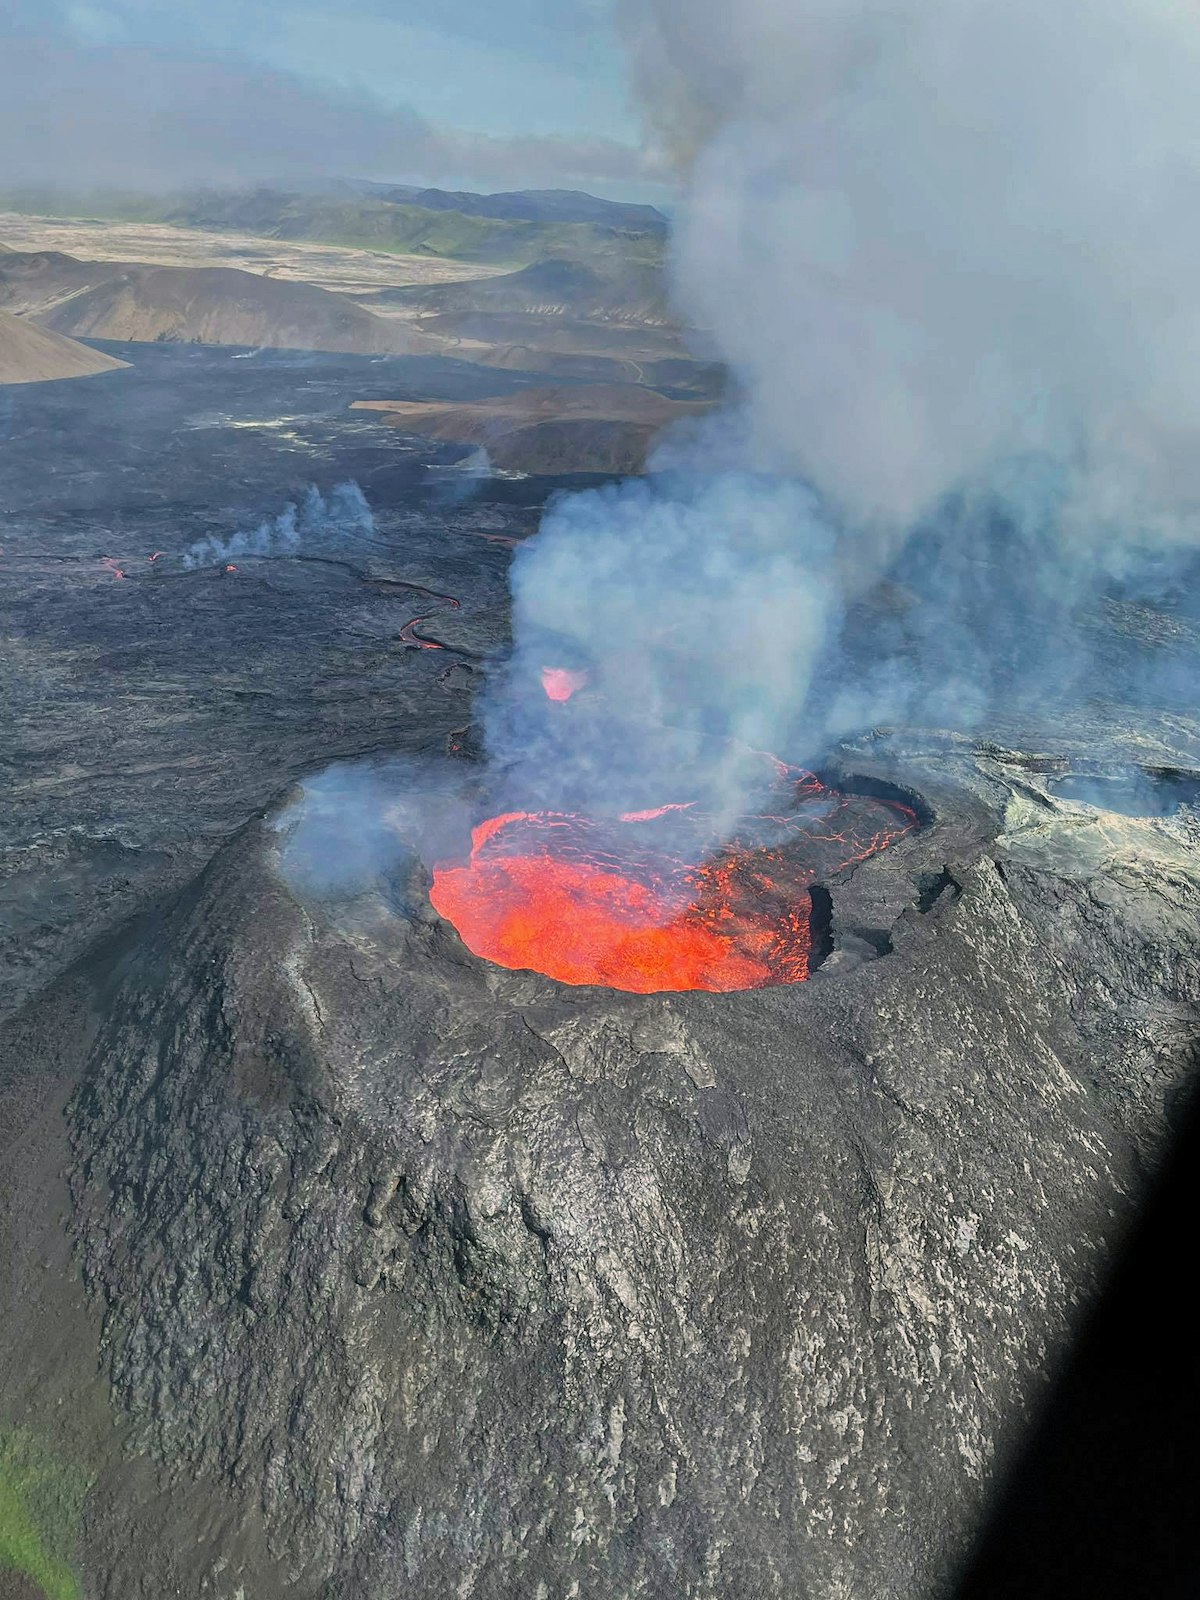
{"points": [[458, 1281]]}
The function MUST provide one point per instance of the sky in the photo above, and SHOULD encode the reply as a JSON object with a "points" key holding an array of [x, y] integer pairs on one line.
{"points": [[458, 93]]}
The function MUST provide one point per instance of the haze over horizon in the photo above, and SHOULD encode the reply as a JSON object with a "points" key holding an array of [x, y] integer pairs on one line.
{"points": [[466, 95]]}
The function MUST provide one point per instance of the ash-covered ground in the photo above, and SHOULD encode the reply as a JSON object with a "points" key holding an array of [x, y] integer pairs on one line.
{"points": [[339, 1263]]}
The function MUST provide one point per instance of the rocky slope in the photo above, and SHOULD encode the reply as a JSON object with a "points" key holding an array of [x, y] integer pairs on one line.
{"points": [[604, 318], [603, 290], [574, 320], [29, 354], [461, 1282], [600, 428]]}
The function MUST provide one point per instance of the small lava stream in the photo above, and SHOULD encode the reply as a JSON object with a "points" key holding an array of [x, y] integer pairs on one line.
{"points": [[418, 641], [651, 901]]}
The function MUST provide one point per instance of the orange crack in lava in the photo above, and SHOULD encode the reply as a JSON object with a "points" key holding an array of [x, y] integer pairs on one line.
{"points": [[587, 902]]}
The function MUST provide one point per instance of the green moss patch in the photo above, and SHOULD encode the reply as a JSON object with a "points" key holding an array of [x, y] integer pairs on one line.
{"points": [[41, 1502]]}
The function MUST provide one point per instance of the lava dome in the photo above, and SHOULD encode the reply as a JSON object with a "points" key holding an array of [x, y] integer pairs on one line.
{"points": [[655, 900]]}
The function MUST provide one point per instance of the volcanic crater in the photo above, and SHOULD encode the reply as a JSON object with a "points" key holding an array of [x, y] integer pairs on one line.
{"points": [[656, 900], [499, 1221]]}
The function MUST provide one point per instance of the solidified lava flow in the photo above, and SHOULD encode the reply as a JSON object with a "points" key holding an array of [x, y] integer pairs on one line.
{"points": [[652, 901]]}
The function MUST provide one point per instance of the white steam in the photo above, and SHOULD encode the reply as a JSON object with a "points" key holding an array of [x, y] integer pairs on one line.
{"points": [[692, 610], [949, 248], [316, 523], [935, 233]]}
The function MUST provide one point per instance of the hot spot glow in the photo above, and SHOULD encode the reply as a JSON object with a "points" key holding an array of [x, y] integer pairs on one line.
{"points": [[617, 903], [560, 683]]}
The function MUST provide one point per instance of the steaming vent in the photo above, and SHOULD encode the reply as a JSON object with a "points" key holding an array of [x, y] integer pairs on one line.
{"points": [[663, 899], [1132, 791]]}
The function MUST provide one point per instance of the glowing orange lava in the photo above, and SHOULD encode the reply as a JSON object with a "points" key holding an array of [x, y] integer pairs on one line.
{"points": [[616, 903], [418, 641], [560, 683]]}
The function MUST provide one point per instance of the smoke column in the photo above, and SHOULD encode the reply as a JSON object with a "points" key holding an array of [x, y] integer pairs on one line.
{"points": [[949, 249], [318, 522], [937, 233]]}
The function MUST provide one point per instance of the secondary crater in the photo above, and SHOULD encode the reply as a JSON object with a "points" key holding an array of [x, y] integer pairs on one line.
{"points": [[1133, 791]]}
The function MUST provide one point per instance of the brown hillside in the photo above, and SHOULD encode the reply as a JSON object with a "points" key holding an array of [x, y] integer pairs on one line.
{"points": [[198, 305], [603, 427], [28, 354]]}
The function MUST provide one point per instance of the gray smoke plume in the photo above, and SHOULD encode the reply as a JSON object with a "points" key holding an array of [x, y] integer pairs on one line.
{"points": [[316, 523], [936, 234], [688, 612], [949, 249]]}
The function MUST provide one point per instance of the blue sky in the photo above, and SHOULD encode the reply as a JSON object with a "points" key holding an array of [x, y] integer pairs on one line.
{"points": [[480, 93]]}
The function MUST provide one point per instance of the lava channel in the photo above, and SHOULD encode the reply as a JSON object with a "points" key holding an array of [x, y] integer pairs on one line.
{"points": [[418, 641], [651, 901]]}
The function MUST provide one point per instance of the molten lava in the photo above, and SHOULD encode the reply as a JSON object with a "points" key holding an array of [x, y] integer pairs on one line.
{"points": [[651, 901], [418, 641], [560, 683]]}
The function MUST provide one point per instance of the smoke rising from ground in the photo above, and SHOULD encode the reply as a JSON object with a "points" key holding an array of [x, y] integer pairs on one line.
{"points": [[694, 635], [934, 235], [317, 522], [949, 248]]}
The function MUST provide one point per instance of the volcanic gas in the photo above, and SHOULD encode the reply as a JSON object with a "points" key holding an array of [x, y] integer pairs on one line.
{"points": [[654, 900]]}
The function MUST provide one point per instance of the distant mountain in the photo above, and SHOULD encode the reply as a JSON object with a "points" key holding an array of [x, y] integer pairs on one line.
{"points": [[351, 218], [28, 354], [608, 289], [526, 205], [200, 305], [383, 224]]}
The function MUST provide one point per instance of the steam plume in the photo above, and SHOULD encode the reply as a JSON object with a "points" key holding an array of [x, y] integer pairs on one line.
{"points": [[315, 523], [949, 248], [935, 234]]}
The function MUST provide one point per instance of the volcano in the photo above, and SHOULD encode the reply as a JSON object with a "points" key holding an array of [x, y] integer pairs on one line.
{"points": [[341, 1260], [654, 901]]}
